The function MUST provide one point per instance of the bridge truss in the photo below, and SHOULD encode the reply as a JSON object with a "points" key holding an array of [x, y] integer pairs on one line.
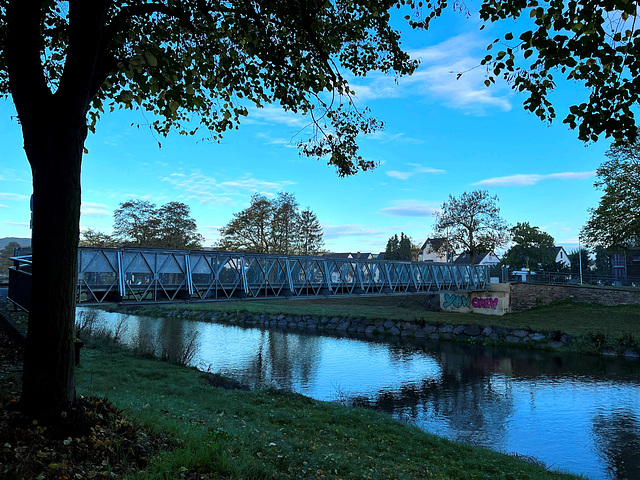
{"points": [[153, 275]]}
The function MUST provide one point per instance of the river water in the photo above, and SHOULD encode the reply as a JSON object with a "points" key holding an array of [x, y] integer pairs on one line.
{"points": [[572, 412]]}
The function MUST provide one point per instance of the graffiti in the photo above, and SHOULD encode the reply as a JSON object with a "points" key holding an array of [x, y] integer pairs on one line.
{"points": [[456, 301], [460, 301], [484, 303]]}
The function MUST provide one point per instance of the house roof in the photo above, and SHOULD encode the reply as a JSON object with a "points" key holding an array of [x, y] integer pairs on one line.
{"points": [[436, 243], [465, 258], [338, 255]]}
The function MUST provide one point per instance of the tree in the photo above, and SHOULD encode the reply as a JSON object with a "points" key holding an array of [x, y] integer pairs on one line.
{"points": [[250, 229], [139, 223], [272, 226], [589, 42], [95, 238], [5, 254], [136, 223], [578, 256], [529, 249], [177, 228], [286, 223], [310, 235], [472, 223], [399, 248], [64, 63], [615, 223], [391, 252], [602, 262]]}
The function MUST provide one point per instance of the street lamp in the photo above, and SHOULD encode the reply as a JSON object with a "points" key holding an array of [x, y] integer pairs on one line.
{"points": [[580, 258]]}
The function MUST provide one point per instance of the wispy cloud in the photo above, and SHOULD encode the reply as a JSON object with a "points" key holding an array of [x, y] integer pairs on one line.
{"points": [[274, 114], [522, 180], [96, 210], [4, 206], [351, 230], [386, 137], [14, 197], [437, 78], [409, 208], [17, 224], [416, 170], [208, 190], [269, 140]]}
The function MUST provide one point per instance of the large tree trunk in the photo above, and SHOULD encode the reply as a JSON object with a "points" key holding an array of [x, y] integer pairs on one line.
{"points": [[55, 153]]}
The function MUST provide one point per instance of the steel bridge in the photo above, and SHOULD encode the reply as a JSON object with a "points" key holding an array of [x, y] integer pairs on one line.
{"points": [[136, 275]]}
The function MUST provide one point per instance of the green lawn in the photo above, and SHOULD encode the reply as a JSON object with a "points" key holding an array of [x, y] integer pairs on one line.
{"points": [[564, 315], [271, 434]]}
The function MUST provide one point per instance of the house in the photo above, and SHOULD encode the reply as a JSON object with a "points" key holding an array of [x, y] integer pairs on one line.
{"points": [[338, 255], [559, 255], [435, 250], [478, 259]]}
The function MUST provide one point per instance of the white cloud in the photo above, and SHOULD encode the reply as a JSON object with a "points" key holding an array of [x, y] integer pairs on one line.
{"points": [[409, 208], [210, 191], [89, 209], [269, 140], [351, 230], [437, 78], [14, 197], [385, 137], [417, 169], [521, 180], [17, 224], [4, 206], [274, 114]]}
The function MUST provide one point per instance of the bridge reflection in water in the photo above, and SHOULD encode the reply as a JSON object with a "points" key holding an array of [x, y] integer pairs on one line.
{"points": [[154, 275]]}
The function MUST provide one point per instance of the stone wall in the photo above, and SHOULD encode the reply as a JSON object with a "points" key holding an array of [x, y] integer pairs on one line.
{"points": [[529, 295]]}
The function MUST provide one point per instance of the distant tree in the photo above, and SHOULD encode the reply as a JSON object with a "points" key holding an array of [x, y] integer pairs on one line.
{"points": [[94, 238], [310, 235], [615, 223], [177, 229], [575, 256], [529, 249], [473, 223], [286, 223], [136, 223], [603, 262], [5, 254], [250, 230], [273, 226], [392, 250], [399, 248]]}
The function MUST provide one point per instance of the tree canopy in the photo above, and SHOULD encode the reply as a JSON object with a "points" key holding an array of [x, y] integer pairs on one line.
{"points": [[139, 223], [274, 226], [615, 223], [472, 223], [530, 248], [399, 248]]}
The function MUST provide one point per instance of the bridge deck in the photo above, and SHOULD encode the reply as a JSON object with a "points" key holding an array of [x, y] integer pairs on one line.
{"points": [[156, 275]]}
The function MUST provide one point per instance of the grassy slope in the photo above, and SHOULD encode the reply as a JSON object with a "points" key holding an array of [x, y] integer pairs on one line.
{"points": [[269, 434], [567, 316]]}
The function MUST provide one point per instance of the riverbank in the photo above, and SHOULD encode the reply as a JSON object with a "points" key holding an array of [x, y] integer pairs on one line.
{"points": [[179, 423], [563, 325]]}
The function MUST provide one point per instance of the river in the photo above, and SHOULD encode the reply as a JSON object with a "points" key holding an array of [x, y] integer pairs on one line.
{"points": [[573, 412]]}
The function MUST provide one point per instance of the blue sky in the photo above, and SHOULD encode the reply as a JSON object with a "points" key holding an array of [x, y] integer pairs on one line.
{"points": [[442, 136]]}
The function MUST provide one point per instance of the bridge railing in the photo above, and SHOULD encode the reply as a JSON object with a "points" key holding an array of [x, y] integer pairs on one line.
{"points": [[137, 275], [151, 275]]}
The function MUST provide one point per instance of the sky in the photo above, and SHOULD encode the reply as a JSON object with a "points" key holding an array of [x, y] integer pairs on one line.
{"points": [[442, 137]]}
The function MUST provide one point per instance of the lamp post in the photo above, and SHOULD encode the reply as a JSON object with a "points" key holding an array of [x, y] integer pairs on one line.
{"points": [[580, 258]]}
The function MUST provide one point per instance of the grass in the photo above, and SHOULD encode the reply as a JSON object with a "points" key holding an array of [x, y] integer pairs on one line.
{"points": [[576, 319], [272, 434]]}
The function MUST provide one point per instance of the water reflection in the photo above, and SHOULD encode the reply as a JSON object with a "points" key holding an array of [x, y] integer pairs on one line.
{"points": [[573, 412]]}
